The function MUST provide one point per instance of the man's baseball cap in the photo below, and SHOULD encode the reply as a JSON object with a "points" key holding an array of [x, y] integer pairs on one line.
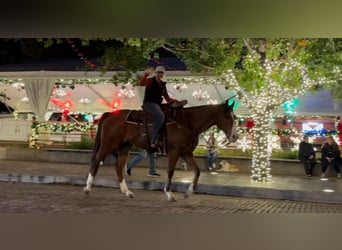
{"points": [[160, 69]]}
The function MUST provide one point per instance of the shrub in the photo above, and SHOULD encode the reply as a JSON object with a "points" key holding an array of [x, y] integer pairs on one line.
{"points": [[284, 154], [85, 143]]}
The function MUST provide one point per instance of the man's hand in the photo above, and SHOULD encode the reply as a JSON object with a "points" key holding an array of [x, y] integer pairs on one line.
{"points": [[149, 70]]}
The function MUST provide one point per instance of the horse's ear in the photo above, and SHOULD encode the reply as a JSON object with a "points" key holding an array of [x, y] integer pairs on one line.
{"points": [[230, 102]]}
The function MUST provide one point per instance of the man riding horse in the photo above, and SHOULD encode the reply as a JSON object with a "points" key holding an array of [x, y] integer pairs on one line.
{"points": [[154, 91]]}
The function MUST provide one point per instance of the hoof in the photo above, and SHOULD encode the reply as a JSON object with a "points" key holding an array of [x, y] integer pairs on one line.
{"points": [[131, 195], [187, 194], [86, 191], [172, 199], [169, 195]]}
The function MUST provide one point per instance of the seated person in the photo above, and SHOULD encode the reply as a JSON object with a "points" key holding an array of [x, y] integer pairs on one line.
{"points": [[307, 156], [331, 155], [211, 151]]}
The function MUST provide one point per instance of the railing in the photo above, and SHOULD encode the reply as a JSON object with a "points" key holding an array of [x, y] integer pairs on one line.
{"points": [[48, 134], [60, 139], [14, 130]]}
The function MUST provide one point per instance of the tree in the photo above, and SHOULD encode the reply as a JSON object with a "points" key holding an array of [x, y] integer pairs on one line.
{"points": [[265, 73]]}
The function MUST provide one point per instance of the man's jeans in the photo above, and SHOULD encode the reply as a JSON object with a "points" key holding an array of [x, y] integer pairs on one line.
{"points": [[159, 117], [211, 157], [143, 154]]}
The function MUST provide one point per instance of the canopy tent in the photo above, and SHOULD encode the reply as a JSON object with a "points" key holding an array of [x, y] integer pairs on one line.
{"points": [[95, 92]]}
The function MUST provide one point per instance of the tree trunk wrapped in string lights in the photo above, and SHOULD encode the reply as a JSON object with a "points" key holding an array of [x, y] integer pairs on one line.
{"points": [[274, 82], [261, 169]]}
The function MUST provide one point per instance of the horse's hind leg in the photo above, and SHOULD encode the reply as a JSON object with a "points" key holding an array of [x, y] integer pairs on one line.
{"points": [[120, 163], [98, 160]]}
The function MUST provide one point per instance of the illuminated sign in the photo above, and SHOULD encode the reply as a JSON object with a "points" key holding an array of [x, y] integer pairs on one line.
{"points": [[312, 127]]}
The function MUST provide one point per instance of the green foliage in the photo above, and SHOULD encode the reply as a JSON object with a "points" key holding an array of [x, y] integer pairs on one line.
{"points": [[223, 152], [285, 154], [324, 56], [212, 55], [280, 154], [217, 55], [85, 143]]}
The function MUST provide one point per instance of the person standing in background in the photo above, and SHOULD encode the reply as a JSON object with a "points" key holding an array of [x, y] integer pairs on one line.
{"points": [[141, 155]]}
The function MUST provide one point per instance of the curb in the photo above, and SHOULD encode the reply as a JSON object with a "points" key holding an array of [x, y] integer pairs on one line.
{"points": [[248, 192]]}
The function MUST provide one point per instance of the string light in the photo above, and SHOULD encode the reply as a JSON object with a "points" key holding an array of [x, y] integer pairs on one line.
{"points": [[180, 87], [18, 85], [59, 93], [263, 100], [244, 143], [200, 94], [84, 101], [57, 127], [126, 91], [212, 101], [80, 54], [25, 99]]}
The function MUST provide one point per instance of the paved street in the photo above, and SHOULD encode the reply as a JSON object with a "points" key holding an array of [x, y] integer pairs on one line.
{"points": [[56, 198]]}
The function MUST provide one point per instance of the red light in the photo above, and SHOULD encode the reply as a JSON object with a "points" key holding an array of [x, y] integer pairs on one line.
{"points": [[68, 104], [115, 104], [65, 114]]}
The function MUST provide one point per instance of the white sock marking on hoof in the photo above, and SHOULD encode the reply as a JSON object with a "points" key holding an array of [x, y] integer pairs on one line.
{"points": [[169, 195], [90, 181], [124, 189]]}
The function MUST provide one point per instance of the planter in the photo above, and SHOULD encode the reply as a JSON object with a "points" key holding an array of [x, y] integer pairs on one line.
{"points": [[279, 166]]}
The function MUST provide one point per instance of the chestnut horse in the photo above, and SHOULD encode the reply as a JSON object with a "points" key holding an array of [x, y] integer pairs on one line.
{"points": [[116, 134]]}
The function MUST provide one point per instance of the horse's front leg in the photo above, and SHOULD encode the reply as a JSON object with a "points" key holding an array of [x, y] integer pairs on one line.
{"points": [[190, 160], [170, 171], [167, 190], [120, 163]]}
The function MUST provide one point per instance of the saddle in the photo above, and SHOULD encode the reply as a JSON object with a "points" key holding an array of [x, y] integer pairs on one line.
{"points": [[142, 117]]}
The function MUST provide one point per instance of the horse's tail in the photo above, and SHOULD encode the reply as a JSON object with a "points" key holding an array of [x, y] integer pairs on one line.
{"points": [[98, 135]]}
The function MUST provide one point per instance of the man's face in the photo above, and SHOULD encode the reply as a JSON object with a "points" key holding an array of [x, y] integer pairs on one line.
{"points": [[159, 75]]}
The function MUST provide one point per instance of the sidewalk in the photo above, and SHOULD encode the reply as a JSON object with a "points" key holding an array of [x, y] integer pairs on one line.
{"points": [[233, 184]]}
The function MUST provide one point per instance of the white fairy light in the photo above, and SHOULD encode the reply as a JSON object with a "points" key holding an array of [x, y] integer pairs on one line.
{"points": [[200, 94], [59, 92], [274, 143], [84, 101], [180, 87], [18, 85], [244, 143], [337, 139], [211, 101], [296, 141], [24, 99], [126, 91]]}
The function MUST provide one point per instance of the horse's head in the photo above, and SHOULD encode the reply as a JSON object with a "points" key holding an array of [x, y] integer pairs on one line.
{"points": [[226, 121]]}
